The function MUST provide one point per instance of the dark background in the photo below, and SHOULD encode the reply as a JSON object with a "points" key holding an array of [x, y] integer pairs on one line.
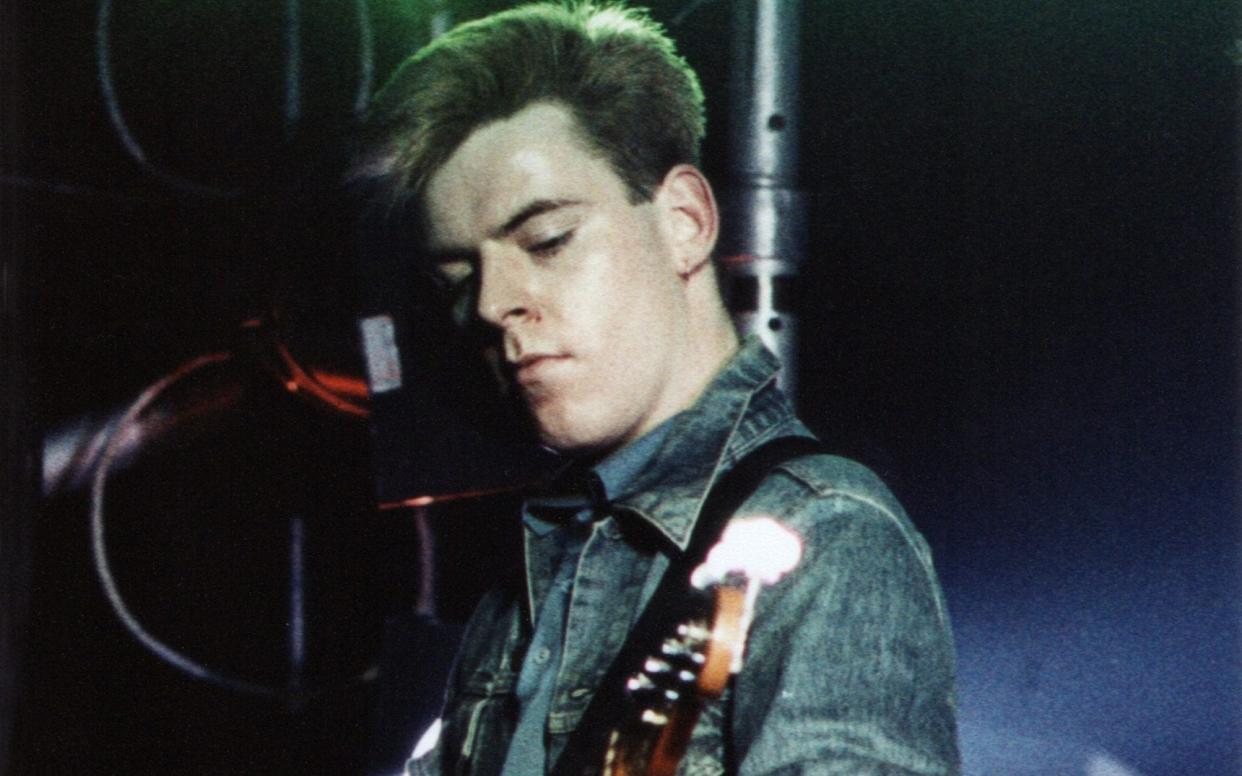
{"points": [[1019, 306]]}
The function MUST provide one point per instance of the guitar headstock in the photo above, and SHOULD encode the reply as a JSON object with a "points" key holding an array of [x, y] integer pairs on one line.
{"points": [[671, 674], [695, 663]]}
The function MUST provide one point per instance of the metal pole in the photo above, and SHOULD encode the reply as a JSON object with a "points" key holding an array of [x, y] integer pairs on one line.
{"points": [[764, 239]]}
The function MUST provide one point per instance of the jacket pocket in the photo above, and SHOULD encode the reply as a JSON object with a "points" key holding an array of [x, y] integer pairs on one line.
{"points": [[480, 723]]}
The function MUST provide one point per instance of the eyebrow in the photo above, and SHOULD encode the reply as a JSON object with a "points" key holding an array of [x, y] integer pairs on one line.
{"points": [[441, 254], [536, 208]]}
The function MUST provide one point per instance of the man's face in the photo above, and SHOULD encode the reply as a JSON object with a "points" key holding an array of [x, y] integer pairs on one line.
{"points": [[582, 285]]}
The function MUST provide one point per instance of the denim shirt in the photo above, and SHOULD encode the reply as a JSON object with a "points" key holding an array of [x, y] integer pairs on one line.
{"points": [[849, 663], [559, 525]]}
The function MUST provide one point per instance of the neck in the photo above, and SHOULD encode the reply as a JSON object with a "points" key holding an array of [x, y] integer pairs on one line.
{"points": [[713, 337]]}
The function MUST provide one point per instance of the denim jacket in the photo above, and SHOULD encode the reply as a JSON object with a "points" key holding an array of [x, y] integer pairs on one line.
{"points": [[849, 664]]}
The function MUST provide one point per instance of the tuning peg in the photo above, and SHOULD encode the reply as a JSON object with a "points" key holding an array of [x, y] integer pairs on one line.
{"points": [[639, 683], [655, 666], [694, 632]]}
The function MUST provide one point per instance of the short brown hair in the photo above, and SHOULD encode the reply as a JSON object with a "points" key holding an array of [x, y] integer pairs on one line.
{"points": [[634, 98]]}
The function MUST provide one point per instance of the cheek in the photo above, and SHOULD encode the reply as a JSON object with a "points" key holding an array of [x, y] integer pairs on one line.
{"points": [[621, 306], [623, 325], [598, 303]]}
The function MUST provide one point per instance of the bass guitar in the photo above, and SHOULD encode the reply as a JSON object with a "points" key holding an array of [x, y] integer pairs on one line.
{"points": [[694, 664]]}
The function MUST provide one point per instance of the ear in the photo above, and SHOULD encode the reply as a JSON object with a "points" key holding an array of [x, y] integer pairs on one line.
{"points": [[692, 222]]}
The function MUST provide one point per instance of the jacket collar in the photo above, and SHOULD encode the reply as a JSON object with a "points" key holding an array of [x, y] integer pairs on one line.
{"points": [[740, 409]]}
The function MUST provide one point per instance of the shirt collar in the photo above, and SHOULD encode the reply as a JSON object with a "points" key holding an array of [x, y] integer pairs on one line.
{"points": [[619, 470], [586, 491], [740, 409]]}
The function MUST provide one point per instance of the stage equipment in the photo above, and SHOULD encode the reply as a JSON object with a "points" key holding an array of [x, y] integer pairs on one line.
{"points": [[71, 453], [294, 85], [442, 425], [88, 451], [113, 447], [763, 239]]}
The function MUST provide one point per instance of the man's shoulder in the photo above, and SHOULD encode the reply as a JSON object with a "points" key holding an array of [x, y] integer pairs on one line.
{"points": [[824, 493], [827, 475]]}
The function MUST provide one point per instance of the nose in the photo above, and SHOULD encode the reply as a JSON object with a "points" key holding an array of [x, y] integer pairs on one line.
{"points": [[505, 293]]}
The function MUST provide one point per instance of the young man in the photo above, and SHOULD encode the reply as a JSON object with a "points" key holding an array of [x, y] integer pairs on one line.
{"points": [[550, 156]]}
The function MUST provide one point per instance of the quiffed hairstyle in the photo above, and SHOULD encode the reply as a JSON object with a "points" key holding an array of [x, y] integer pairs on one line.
{"points": [[636, 101]]}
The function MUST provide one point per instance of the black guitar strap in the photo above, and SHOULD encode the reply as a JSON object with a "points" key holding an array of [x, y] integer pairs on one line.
{"points": [[670, 603]]}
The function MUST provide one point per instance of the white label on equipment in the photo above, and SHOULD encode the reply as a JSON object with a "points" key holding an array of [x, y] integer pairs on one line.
{"points": [[379, 340]]}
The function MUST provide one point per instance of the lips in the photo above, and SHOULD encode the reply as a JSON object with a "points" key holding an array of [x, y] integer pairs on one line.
{"points": [[534, 367]]}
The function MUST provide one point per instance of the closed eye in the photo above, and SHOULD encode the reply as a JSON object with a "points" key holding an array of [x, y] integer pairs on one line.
{"points": [[549, 247], [452, 273]]}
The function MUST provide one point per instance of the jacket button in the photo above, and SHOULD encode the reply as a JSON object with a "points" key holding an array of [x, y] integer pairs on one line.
{"points": [[541, 655]]}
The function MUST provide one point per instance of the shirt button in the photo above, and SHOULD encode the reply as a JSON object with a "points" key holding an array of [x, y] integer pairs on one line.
{"points": [[541, 655]]}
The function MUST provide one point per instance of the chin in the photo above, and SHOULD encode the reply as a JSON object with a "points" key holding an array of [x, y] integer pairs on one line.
{"points": [[573, 440], [571, 445], [579, 429]]}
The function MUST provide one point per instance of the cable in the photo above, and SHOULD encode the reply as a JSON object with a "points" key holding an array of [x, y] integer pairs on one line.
{"points": [[308, 384], [686, 10], [103, 59], [115, 444], [99, 548]]}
